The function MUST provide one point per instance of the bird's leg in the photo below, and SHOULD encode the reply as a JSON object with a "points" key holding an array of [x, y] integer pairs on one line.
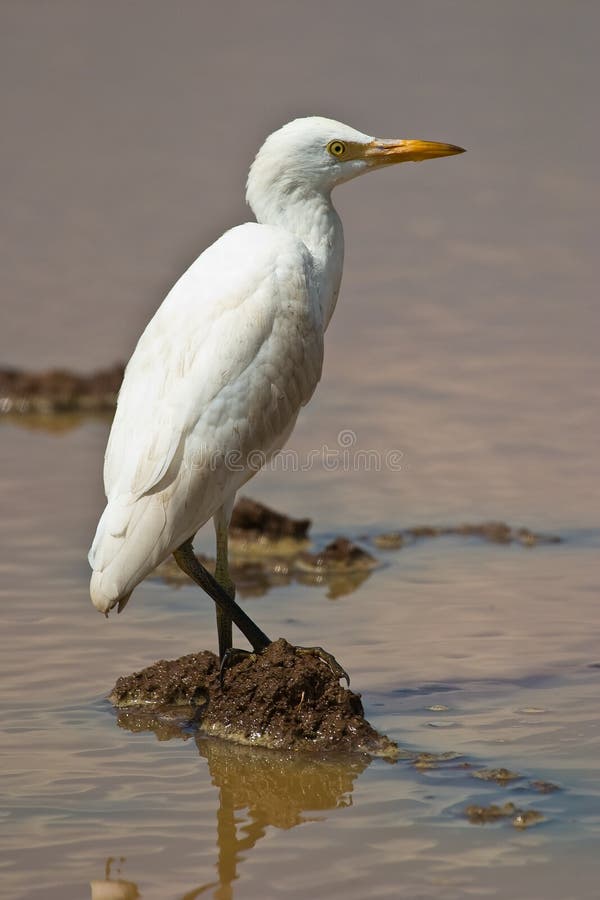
{"points": [[188, 563], [224, 620], [228, 654]]}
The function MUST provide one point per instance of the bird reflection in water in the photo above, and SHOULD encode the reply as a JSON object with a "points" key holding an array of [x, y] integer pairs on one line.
{"points": [[269, 788], [275, 790]]}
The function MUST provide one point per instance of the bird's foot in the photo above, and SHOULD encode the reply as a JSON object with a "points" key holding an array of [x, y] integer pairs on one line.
{"points": [[326, 658], [234, 655]]}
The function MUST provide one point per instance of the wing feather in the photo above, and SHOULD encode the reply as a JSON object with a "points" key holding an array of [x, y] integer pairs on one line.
{"points": [[207, 333], [230, 356]]}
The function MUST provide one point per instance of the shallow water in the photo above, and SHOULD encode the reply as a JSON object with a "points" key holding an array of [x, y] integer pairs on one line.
{"points": [[465, 345], [505, 637]]}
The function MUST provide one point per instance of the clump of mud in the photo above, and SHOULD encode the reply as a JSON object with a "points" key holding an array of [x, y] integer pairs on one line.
{"points": [[543, 787], [520, 818], [491, 532], [281, 698], [59, 391], [341, 566], [340, 555], [270, 549], [265, 536], [253, 520], [501, 776]]}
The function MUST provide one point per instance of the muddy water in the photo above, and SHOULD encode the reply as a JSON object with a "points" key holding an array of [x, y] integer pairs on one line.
{"points": [[463, 357]]}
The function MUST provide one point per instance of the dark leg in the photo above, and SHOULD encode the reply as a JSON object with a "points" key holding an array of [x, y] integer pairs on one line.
{"points": [[224, 621], [187, 562]]}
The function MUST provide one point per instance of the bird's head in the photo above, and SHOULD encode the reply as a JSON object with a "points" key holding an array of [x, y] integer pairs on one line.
{"points": [[316, 154]]}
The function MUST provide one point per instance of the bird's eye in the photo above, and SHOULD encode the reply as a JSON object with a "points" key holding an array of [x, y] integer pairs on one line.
{"points": [[336, 148]]}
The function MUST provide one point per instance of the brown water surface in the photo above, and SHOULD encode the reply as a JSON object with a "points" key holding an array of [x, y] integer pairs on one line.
{"points": [[463, 356]]}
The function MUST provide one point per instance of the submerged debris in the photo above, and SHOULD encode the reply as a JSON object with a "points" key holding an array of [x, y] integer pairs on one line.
{"points": [[501, 533], [499, 776], [59, 391], [280, 698], [492, 532], [525, 818], [520, 818], [544, 787], [424, 531], [389, 540], [341, 565], [481, 815], [425, 760], [341, 555]]}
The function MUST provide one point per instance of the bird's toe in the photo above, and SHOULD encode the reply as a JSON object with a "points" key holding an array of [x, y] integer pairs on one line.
{"points": [[326, 658]]}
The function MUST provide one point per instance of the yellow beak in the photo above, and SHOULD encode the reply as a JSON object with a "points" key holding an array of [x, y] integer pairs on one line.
{"points": [[382, 153]]}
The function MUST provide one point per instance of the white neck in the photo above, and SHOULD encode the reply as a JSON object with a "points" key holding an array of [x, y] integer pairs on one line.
{"points": [[310, 216]]}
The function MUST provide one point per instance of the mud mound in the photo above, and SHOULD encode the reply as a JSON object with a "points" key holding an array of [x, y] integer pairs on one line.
{"points": [[59, 391], [340, 555], [251, 520], [491, 532], [281, 699]]}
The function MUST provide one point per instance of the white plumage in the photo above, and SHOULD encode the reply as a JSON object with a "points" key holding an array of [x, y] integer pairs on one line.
{"points": [[232, 354], [221, 370]]}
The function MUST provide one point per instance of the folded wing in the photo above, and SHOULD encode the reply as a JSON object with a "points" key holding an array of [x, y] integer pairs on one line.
{"points": [[221, 371]]}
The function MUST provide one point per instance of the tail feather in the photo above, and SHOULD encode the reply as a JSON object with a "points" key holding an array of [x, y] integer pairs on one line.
{"points": [[120, 562], [136, 533]]}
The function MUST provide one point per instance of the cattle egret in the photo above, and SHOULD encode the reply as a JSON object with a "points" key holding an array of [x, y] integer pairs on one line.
{"points": [[223, 368]]}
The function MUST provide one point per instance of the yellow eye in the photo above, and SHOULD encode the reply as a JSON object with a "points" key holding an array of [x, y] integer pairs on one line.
{"points": [[336, 148]]}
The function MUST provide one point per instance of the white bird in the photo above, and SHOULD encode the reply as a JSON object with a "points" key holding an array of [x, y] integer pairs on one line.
{"points": [[223, 368]]}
